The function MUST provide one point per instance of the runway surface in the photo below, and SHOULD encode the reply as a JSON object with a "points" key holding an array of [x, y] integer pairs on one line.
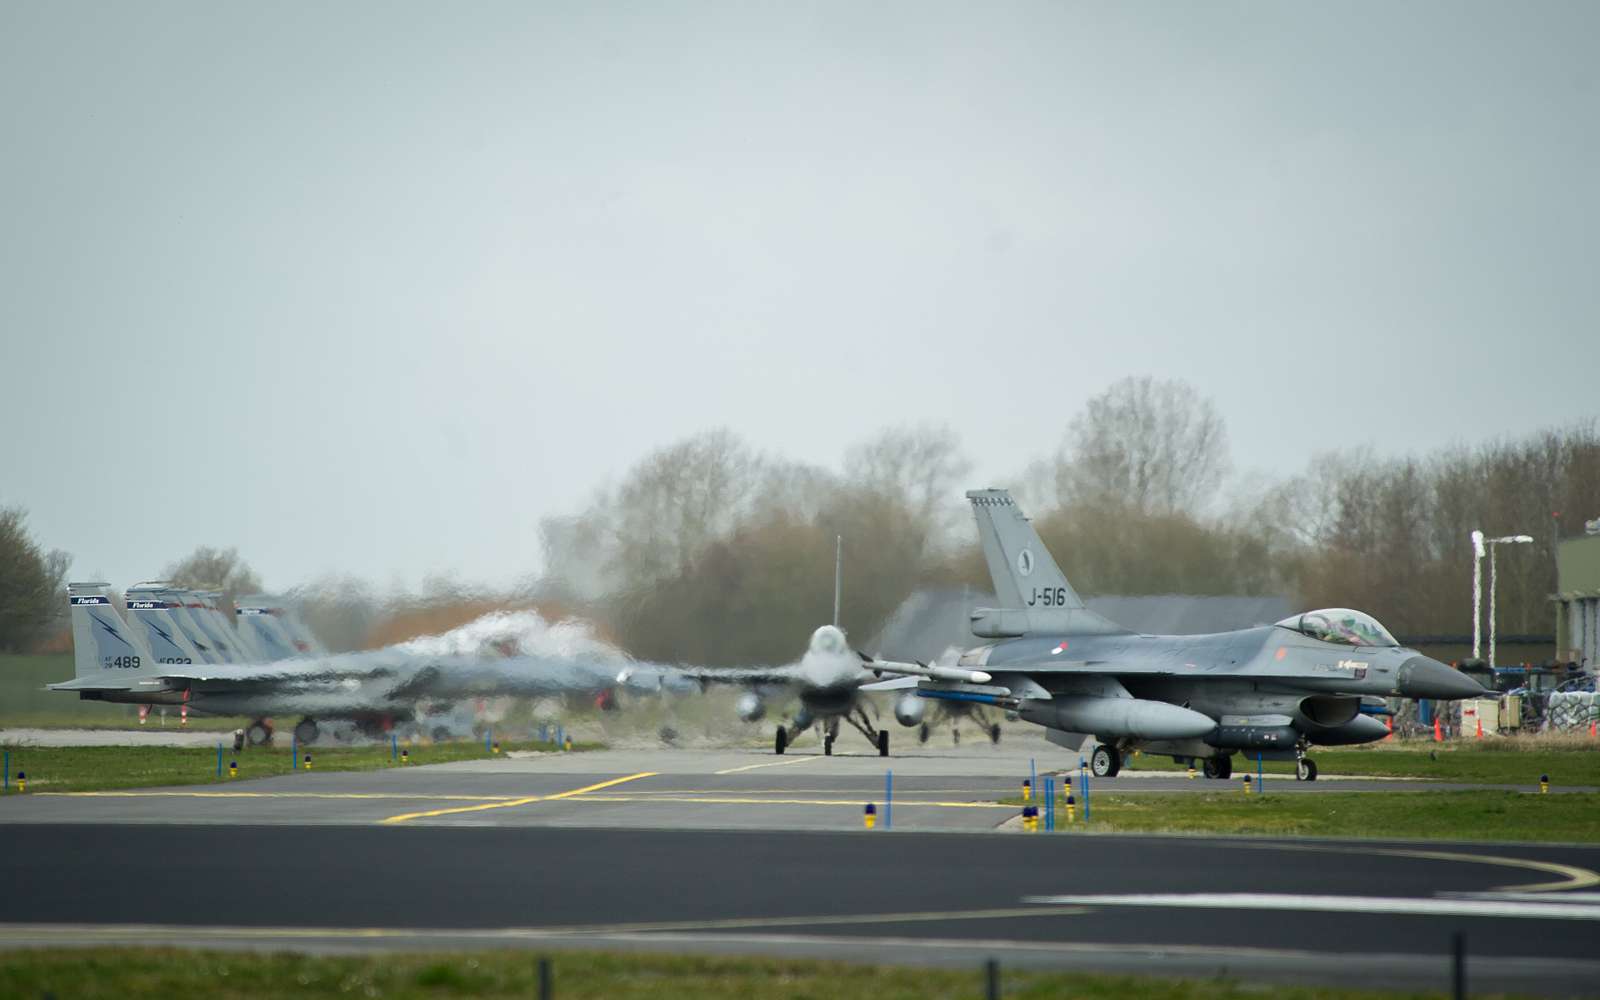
{"points": [[740, 851], [1145, 903]]}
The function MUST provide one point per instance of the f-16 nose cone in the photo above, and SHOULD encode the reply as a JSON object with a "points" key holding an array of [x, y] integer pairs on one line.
{"points": [[1421, 677]]}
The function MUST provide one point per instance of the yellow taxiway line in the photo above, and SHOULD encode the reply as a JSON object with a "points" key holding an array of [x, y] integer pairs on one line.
{"points": [[725, 800], [573, 793]]}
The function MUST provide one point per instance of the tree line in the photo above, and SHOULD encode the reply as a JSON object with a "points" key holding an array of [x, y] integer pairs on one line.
{"points": [[710, 551]]}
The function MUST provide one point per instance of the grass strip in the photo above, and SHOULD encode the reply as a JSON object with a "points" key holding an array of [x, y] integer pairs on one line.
{"points": [[1517, 761], [1488, 814], [125, 972], [85, 769]]}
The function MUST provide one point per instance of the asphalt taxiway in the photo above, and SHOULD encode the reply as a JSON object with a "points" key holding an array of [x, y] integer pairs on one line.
{"points": [[742, 851], [654, 789]]}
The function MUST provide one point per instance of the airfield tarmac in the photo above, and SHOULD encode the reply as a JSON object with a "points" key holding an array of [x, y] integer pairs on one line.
{"points": [[939, 789], [741, 851]]}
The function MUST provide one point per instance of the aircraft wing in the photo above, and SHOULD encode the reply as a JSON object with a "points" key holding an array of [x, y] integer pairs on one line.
{"points": [[893, 684], [1106, 667], [743, 676]]}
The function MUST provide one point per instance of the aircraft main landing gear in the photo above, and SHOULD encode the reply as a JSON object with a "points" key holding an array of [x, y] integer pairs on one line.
{"points": [[305, 731], [883, 743], [1219, 768], [1105, 761], [780, 743], [258, 732], [827, 746]]}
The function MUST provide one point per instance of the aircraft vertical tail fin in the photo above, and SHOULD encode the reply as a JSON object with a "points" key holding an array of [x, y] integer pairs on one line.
{"points": [[1030, 587], [258, 614], [305, 640], [102, 643], [150, 607]]}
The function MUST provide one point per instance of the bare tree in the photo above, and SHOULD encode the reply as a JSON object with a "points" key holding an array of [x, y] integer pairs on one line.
{"points": [[920, 471], [208, 568], [677, 501], [1146, 445]]}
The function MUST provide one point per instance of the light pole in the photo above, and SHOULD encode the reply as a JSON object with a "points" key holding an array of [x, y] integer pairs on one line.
{"points": [[1492, 542], [1477, 595]]}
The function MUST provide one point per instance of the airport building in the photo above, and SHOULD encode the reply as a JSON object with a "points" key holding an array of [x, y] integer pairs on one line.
{"points": [[1578, 601]]}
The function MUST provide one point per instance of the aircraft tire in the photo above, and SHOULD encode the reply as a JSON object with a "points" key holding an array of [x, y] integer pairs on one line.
{"points": [[305, 731], [922, 733], [1105, 761], [1219, 768], [780, 743], [994, 734], [1305, 769], [827, 746], [258, 733], [883, 743]]}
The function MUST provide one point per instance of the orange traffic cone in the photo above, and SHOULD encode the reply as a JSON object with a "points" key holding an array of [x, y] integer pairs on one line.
{"points": [[1438, 733], [1388, 722], [1594, 728], [1480, 727]]}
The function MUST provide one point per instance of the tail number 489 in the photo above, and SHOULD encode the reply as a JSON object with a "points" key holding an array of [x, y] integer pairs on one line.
{"points": [[122, 663]]}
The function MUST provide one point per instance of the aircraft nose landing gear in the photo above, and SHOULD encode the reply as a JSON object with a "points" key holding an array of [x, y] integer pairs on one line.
{"points": [[1305, 769]]}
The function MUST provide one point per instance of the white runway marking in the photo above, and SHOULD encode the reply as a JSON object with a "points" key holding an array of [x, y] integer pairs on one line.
{"points": [[1340, 904], [776, 763]]}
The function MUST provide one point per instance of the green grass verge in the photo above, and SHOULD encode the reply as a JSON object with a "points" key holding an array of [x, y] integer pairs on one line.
{"points": [[1518, 761], [85, 769], [1458, 815], [127, 972]]}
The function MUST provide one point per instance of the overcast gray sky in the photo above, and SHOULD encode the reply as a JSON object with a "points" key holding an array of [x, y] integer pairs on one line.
{"points": [[370, 287]]}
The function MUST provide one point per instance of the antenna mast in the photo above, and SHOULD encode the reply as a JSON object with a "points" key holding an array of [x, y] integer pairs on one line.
{"points": [[838, 575]]}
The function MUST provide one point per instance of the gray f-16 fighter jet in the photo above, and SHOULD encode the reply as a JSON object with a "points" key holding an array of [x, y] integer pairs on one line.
{"points": [[829, 679], [1276, 690]]}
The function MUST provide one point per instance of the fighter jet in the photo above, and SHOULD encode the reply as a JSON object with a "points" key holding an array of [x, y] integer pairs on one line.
{"points": [[829, 679], [1276, 690], [115, 662]]}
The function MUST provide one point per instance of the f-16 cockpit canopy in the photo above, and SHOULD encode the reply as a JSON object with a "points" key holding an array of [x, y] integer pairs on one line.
{"points": [[1341, 625]]}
